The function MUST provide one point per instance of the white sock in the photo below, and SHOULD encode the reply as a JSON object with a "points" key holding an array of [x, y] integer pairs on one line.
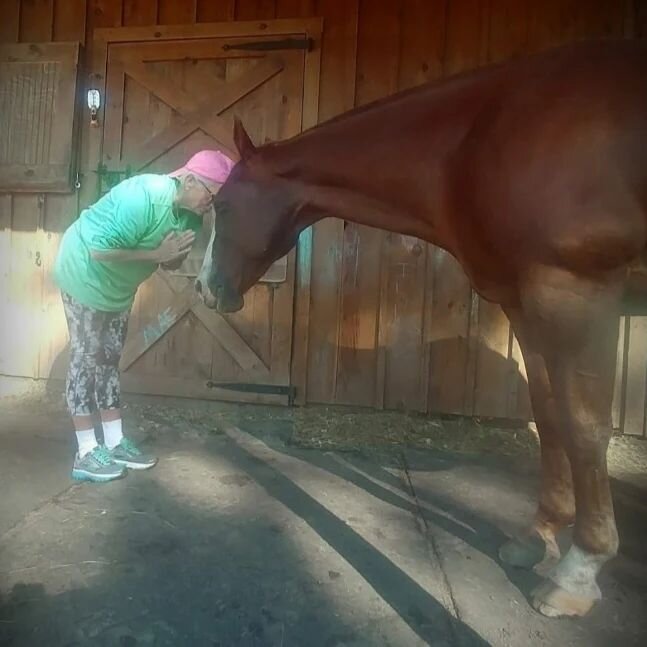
{"points": [[87, 441], [112, 433]]}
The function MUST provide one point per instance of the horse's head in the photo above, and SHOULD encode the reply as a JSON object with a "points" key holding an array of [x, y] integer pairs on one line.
{"points": [[255, 225]]}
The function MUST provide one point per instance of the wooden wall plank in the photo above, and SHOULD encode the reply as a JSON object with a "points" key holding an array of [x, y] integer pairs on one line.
{"points": [[617, 407], [10, 23], [24, 294], [519, 405], [634, 420], [359, 378], [172, 12], [60, 212], [6, 207], [215, 10], [69, 20], [139, 12], [255, 9], [494, 370], [509, 26], [103, 13], [423, 41], [548, 24], [23, 321], [496, 373], [393, 265], [501, 386], [639, 19], [303, 262], [295, 8], [555, 22], [336, 95], [466, 35], [290, 84], [404, 318], [597, 19], [100, 13], [36, 20], [453, 339]]}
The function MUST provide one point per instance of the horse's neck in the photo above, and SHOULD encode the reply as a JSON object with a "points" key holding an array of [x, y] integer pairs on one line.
{"points": [[358, 207], [384, 167]]}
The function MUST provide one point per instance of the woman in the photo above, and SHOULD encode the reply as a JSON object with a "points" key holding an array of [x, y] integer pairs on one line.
{"points": [[144, 222]]}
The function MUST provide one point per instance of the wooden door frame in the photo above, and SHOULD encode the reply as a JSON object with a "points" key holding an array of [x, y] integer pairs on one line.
{"points": [[92, 154]]}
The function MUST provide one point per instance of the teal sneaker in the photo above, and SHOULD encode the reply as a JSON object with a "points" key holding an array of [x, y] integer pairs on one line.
{"points": [[126, 453], [97, 466]]}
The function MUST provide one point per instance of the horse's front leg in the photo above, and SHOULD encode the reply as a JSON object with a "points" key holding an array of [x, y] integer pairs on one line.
{"points": [[537, 546], [576, 320]]}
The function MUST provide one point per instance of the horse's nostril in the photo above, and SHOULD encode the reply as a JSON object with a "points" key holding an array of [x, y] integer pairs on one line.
{"points": [[198, 286]]}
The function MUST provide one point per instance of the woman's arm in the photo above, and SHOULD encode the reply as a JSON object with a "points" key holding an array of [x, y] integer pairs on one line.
{"points": [[173, 248], [117, 255]]}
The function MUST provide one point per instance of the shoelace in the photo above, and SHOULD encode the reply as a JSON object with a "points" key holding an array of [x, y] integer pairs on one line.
{"points": [[130, 447], [102, 456]]}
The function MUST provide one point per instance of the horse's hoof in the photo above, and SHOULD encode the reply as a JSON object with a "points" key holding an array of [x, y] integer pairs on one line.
{"points": [[553, 601], [523, 552]]}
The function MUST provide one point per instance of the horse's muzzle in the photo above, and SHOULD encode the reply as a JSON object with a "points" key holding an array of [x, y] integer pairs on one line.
{"points": [[218, 295], [227, 302]]}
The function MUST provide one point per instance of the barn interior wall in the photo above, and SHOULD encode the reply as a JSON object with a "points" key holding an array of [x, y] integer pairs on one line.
{"points": [[393, 322]]}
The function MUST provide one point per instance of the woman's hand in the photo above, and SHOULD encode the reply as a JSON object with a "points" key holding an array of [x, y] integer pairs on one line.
{"points": [[175, 247], [174, 265]]}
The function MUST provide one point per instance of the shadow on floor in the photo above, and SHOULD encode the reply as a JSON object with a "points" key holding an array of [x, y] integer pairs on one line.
{"points": [[203, 578]]}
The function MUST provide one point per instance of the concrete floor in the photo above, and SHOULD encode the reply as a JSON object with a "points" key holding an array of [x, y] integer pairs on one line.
{"points": [[237, 538]]}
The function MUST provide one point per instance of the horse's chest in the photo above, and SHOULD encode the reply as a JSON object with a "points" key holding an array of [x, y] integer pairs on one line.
{"points": [[491, 277]]}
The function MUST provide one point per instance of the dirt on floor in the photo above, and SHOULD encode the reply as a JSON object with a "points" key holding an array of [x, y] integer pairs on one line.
{"points": [[352, 429], [321, 526]]}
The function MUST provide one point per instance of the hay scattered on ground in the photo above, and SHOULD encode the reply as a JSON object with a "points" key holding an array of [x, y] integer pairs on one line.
{"points": [[340, 428]]}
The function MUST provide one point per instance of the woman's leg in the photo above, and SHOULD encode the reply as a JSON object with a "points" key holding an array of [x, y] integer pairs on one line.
{"points": [[92, 462], [107, 383], [108, 395], [83, 326]]}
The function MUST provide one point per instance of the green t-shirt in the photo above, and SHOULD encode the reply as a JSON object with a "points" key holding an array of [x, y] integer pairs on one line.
{"points": [[136, 214]]}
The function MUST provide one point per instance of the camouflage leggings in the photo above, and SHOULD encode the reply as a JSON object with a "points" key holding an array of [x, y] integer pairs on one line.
{"points": [[96, 341]]}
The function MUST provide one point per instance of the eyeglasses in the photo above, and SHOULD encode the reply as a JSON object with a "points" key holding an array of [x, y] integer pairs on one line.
{"points": [[207, 189]]}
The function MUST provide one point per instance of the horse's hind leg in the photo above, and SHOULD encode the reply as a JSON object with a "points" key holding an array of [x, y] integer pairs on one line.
{"points": [[576, 320], [556, 508]]}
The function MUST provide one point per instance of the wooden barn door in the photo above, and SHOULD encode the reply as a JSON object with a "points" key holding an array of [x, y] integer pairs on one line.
{"points": [[165, 101]]}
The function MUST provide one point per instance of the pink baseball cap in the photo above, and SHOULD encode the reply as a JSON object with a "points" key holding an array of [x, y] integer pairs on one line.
{"points": [[210, 165]]}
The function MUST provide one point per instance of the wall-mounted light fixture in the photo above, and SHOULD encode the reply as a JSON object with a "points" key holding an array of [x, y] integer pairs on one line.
{"points": [[94, 103]]}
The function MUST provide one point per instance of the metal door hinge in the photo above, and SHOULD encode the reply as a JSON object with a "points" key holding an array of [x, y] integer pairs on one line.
{"points": [[244, 387], [109, 178], [273, 45]]}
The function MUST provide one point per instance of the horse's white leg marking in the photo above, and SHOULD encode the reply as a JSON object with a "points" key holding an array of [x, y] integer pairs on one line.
{"points": [[577, 572], [571, 588]]}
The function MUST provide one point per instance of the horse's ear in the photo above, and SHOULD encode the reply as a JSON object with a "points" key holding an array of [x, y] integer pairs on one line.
{"points": [[242, 140]]}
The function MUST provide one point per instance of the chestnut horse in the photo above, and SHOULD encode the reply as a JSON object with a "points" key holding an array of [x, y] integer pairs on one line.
{"points": [[533, 174]]}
